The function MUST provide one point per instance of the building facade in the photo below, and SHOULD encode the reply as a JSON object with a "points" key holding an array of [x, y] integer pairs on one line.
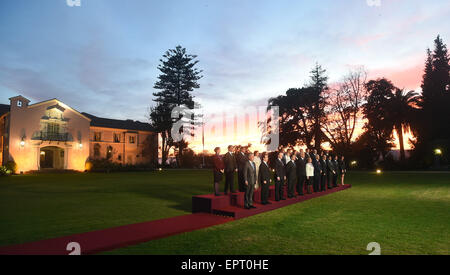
{"points": [[52, 135]]}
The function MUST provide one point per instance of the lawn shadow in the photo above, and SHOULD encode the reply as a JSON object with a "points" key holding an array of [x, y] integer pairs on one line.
{"points": [[178, 190]]}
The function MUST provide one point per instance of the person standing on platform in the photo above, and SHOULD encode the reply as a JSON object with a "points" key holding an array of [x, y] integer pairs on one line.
{"points": [[218, 170], [280, 177], [257, 162], [309, 175], [317, 173], [313, 156], [301, 172], [337, 174], [331, 171], [264, 178], [291, 174], [283, 151], [343, 169], [241, 159], [230, 169], [287, 156], [323, 177], [249, 181]]}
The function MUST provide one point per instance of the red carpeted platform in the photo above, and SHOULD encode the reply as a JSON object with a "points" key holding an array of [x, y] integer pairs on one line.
{"points": [[232, 205], [208, 210]]}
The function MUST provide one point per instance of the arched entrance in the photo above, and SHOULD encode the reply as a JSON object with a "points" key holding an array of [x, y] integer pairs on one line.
{"points": [[51, 157]]}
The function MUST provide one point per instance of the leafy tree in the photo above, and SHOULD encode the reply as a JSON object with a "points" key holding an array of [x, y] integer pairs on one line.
{"points": [[295, 109], [160, 118], [343, 110], [178, 79], [376, 110], [302, 111]]}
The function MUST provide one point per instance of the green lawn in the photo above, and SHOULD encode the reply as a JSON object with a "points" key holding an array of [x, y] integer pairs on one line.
{"points": [[407, 213]]}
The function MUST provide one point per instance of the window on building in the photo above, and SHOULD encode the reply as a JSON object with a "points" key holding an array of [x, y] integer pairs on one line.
{"points": [[96, 150], [52, 128], [119, 157], [132, 139], [19, 103], [109, 152], [116, 138], [97, 136]]}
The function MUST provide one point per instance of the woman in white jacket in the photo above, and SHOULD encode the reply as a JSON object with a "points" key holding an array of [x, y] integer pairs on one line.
{"points": [[257, 162], [309, 175]]}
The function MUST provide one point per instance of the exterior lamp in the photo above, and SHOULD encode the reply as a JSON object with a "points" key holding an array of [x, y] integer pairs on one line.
{"points": [[378, 171], [353, 163], [22, 143], [80, 145], [437, 151], [160, 169]]}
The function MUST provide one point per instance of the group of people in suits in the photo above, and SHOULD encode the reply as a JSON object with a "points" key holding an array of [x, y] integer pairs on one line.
{"points": [[296, 169]]}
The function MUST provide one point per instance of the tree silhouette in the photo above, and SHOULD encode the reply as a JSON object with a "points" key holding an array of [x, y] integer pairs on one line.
{"points": [[401, 113], [178, 79], [379, 125], [431, 126], [318, 83], [343, 109]]}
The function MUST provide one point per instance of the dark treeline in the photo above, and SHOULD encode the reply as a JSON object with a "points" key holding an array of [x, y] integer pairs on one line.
{"points": [[317, 113]]}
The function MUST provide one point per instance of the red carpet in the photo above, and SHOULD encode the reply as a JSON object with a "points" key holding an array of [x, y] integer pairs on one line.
{"points": [[216, 210], [112, 238]]}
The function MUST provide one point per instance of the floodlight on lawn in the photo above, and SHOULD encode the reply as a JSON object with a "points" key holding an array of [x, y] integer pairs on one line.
{"points": [[378, 171]]}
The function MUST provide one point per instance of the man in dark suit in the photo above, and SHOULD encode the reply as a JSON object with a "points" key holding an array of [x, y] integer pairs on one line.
{"points": [[331, 171], [249, 181], [291, 174], [241, 160], [323, 178], [317, 174], [230, 169], [313, 155], [264, 179], [280, 177], [336, 175], [301, 172]]}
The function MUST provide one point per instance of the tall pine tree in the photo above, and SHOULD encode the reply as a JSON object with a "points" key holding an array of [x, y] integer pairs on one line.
{"points": [[432, 128], [318, 82], [178, 79]]}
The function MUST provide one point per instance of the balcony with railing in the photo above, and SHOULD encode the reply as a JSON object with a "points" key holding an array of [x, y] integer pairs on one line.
{"points": [[52, 136]]}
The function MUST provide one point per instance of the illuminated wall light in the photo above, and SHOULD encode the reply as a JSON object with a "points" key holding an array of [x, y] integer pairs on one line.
{"points": [[80, 145], [22, 143], [378, 171], [437, 151]]}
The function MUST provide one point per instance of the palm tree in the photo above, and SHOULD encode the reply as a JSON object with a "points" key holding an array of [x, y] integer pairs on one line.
{"points": [[401, 109]]}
